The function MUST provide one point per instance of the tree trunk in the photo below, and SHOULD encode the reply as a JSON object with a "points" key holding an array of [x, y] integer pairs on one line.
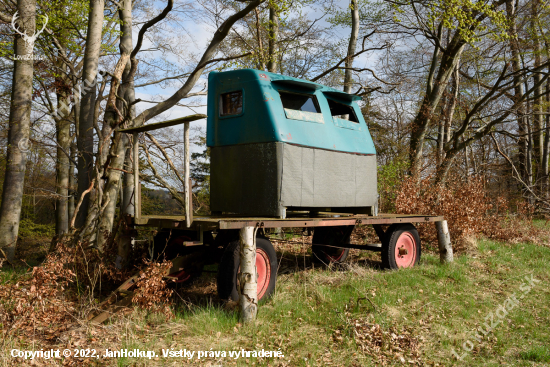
{"points": [[87, 105], [248, 286], [19, 130], [129, 96], [128, 197], [434, 91], [109, 197], [72, 181], [63, 136], [546, 148], [538, 129], [261, 59], [443, 171], [63, 133], [444, 242], [117, 150], [120, 143], [440, 142], [73, 160], [518, 92], [444, 131], [273, 39], [352, 44], [449, 113]]}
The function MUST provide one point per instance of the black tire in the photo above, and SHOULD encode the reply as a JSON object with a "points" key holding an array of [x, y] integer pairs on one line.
{"points": [[332, 236], [229, 267], [405, 237]]}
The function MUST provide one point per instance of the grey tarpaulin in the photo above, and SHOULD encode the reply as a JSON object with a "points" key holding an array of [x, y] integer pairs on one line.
{"points": [[268, 178]]}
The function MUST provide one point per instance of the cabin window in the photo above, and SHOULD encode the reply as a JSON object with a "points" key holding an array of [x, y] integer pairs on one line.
{"points": [[301, 107], [342, 111], [300, 102], [231, 103]]}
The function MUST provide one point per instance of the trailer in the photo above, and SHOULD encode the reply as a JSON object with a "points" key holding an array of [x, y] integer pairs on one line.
{"points": [[285, 153]]}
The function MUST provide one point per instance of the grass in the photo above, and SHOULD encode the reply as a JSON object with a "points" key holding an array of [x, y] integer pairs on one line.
{"points": [[441, 304], [313, 315]]}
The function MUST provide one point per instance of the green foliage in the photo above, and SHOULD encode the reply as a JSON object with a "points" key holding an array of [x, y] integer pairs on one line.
{"points": [[369, 12], [200, 174], [28, 229], [66, 19], [465, 16], [158, 202], [390, 177]]}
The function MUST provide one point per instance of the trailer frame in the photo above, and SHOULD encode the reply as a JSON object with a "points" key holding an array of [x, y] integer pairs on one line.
{"points": [[246, 226]]}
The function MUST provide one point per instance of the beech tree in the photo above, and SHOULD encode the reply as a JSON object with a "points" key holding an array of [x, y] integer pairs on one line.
{"points": [[19, 124]]}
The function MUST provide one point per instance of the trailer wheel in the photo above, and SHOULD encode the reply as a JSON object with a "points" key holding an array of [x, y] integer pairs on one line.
{"points": [[401, 248], [266, 267], [190, 259], [332, 236]]}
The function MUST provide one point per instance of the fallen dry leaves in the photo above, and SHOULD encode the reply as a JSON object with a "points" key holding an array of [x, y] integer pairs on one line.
{"points": [[384, 345]]}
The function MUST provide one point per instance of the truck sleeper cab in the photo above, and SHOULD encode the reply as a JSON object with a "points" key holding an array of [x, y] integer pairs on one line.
{"points": [[283, 144]]}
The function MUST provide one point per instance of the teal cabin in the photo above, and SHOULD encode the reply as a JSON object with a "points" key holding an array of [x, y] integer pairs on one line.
{"points": [[281, 144]]}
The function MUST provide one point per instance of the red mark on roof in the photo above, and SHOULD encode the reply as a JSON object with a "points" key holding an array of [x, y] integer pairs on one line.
{"points": [[289, 136], [263, 76]]}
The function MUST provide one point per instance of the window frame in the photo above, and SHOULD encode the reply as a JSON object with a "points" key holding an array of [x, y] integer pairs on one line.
{"points": [[220, 104], [313, 97], [320, 117], [333, 100]]}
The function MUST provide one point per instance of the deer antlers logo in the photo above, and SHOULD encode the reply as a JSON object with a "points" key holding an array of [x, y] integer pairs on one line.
{"points": [[28, 39]]}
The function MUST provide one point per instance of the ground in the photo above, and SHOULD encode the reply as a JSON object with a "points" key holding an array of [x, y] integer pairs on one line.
{"points": [[354, 314]]}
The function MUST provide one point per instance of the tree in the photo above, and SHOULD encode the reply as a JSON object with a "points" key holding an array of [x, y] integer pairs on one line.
{"points": [[104, 208], [85, 138], [19, 125]]}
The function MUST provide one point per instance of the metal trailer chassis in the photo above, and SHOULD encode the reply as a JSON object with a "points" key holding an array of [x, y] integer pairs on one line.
{"points": [[189, 242], [215, 239]]}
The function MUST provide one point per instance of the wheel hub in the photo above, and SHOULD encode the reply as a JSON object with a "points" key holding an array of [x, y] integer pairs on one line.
{"points": [[405, 250]]}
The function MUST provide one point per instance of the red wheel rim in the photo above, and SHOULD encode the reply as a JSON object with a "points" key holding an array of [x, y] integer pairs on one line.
{"points": [[263, 268], [181, 275], [336, 257], [405, 250]]}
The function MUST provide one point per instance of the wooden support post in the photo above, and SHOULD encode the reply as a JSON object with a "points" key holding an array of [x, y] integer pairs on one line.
{"points": [[124, 240], [248, 292], [444, 240], [137, 184], [186, 175]]}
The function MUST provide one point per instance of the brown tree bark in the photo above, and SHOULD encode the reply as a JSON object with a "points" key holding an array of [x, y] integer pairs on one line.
{"points": [[19, 129], [261, 61], [546, 146], [352, 44], [129, 96], [518, 93], [63, 135], [120, 144], [72, 180], [273, 39], [538, 127], [85, 127], [436, 85], [448, 110]]}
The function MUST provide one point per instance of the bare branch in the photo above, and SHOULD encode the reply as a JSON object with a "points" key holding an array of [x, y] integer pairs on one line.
{"points": [[219, 36]]}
